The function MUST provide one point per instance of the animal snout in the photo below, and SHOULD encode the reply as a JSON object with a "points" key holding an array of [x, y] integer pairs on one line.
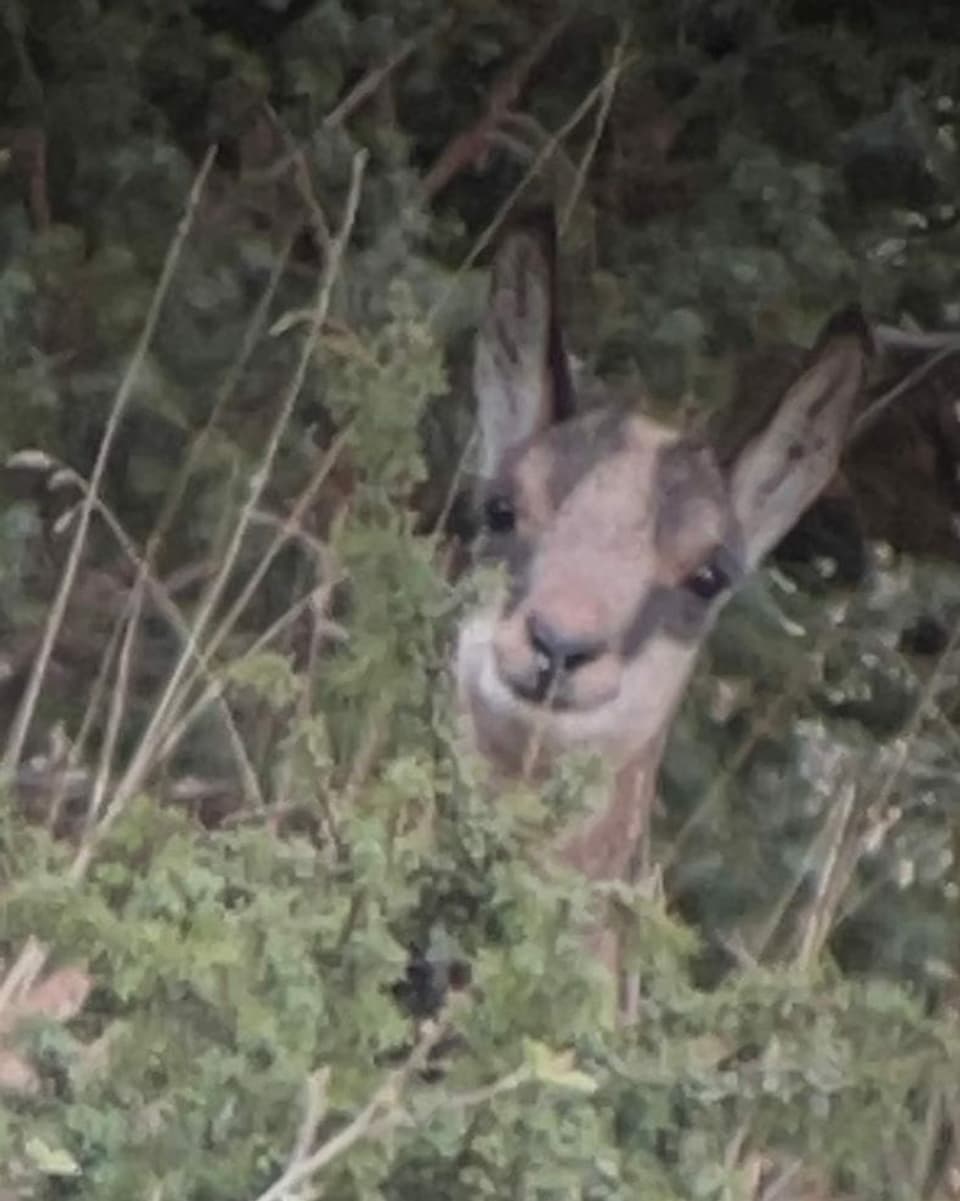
{"points": [[558, 650], [565, 664]]}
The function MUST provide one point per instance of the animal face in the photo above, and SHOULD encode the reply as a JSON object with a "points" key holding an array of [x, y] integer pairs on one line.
{"points": [[619, 537]]}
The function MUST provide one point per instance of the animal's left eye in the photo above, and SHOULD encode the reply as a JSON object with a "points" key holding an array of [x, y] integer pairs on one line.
{"points": [[499, 515], [708, 581]]}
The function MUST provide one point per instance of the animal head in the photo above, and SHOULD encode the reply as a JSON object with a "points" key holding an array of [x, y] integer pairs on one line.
{"points": [[620, 537]]}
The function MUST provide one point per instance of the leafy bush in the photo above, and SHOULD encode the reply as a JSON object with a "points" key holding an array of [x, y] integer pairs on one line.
{"points": [[264, 929]]}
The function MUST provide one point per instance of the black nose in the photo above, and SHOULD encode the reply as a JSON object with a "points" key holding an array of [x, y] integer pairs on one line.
{"points": [[557, 651]]}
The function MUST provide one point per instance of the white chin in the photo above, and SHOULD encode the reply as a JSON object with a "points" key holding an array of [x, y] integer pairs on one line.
{"points": [[483, 687]]}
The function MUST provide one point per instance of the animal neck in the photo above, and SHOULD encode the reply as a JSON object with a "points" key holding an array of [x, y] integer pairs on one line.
{"points": [[610, 842]]}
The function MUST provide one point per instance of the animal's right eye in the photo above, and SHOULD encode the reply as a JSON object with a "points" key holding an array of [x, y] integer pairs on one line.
{"points": [[499, 515], [708, 581]]}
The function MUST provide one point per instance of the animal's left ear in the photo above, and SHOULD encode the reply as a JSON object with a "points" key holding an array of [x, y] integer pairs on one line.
{"points": [[778, 475], [520, 374]]}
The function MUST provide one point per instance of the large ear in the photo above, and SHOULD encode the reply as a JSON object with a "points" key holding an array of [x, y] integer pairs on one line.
{"points": [[781, 471], [521, 376]]}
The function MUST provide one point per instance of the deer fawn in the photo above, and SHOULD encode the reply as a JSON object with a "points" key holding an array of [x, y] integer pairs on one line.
{"points": [[621, 540]]}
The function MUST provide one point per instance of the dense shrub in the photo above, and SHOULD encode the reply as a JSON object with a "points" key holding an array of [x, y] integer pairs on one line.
{"points": [[265, 932]]}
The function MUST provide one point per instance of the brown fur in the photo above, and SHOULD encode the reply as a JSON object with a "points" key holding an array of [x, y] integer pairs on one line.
{"points": [[627, 538]]}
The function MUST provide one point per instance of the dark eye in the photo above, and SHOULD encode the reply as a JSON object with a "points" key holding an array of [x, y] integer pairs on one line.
{"points": [[499, 515], [708, 581]]}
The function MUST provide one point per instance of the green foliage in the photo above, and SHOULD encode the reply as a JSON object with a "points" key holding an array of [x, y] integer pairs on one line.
{"points": [[248, 912]]}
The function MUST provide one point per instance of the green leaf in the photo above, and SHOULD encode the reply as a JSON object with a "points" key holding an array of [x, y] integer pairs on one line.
{"points": [[51, 1161], [556, 1067]]}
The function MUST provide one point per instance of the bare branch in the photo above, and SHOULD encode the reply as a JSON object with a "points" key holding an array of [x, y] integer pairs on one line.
{"points": [[371, 82], [470, 144]]}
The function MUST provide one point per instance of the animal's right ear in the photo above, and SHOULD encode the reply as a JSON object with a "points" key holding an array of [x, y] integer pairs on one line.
{"points": [[521, 376], [787, 465]]}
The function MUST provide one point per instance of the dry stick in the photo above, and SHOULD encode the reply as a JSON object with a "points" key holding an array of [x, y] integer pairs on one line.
{"points": [[86, 727], [294, 154], [892, 778], [288, 527], [314, 1111], [548, 149], [215, 687], [840, 867], [236, 609], [603, 113], [225, 393], [882, 403], [891, 337], [32, 957], [776, 913], [927, 1145], [295, 157], [28, 703], [304, 1164], [371, 1125], [144, 565], [142, 757], [168, 607], [814, 929], [370, 83], [470, 143], [118, 705], [384, 1113], [848, 856]]}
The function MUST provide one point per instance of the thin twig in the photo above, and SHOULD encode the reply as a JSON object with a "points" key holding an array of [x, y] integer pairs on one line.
{"points": [[384, 1113], [78, 747], [288, 527], [25, 711], [547, 150], [235, 373], [469, 144], [603, 114], [118, 705], [882, 403], [314, 1111], [891, 777], [371, 82], [168, 701], [160, 596], [384, 1100], [892, 337], [215, 688], [817, 923]]}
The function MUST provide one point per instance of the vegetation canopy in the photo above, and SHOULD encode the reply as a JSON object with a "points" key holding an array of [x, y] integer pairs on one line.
{"points": [[263, 933]]}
